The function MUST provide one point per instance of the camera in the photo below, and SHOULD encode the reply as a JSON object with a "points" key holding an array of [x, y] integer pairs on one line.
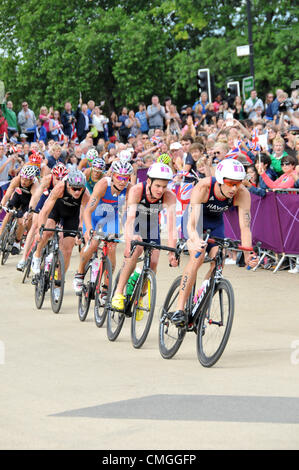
{"points": [[285, 105]]}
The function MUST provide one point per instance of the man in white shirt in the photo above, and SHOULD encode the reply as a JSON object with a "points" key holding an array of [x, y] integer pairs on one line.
{"points": [[252, 104]]}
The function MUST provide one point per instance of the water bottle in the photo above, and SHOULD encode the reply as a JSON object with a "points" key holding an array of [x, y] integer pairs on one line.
{"points": [[200, 290], [132, 281], [48, 262], [94, 269]]}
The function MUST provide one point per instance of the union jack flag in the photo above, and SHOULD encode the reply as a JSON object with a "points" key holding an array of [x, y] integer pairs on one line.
{"points": [[74, 136], [254, 144]]}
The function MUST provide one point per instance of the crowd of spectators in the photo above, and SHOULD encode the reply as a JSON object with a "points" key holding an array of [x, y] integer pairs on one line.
{"points": [[262, 133]]}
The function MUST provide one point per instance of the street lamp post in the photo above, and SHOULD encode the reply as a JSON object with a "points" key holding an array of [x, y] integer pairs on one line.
{"points": [[251, 62]]}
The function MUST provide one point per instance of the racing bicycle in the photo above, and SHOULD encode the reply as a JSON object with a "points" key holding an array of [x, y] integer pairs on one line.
{"points": [[210, 313]]}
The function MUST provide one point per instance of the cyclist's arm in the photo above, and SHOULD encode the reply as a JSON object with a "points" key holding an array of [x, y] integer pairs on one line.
{"points": [[199, 195], [15, 182], [84, 202], [38, 191], [56, 193], [243, 202], [98, 192], [169, 202], [82, 164], [133, 200]]}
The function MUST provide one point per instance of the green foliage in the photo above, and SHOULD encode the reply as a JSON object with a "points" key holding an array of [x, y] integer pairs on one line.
{"points": [[125, 51]]}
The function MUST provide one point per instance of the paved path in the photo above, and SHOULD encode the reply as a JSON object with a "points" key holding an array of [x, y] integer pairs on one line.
{"points": [[65, 386]]}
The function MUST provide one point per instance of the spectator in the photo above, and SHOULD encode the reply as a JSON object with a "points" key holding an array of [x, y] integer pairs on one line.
{"points": [[196, 153], [3, 125], [189, 127], [142, 116], [5, 164], [278, 154], [252, 104], [156, 114], [286, 180], [238, 109], [268, 107], [55, 156], [217, 103], [55, 126], [10, 116], [40, 132], [27, 121], [68, 120], [98, 122], [203, 101], [123, 131], [82, 120], [90, 108], [133, 123], [173, 121]]}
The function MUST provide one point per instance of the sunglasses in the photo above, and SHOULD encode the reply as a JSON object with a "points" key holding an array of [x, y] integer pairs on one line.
{"points": [[216, 153], [286, 163], [122, 178], [74, 188], [231, 183]]}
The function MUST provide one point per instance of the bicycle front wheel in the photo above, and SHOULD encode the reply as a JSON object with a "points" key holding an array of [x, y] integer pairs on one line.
{"points": [[115, 318], [41, 283], [102, 292], [5, 245], [170, 336], [143, 308], [215, 324], [57, 281], [85, 296]]}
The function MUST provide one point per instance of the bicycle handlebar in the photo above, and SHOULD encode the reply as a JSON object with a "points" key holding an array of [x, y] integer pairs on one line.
{"points": [[59, 230], [151, 245]]}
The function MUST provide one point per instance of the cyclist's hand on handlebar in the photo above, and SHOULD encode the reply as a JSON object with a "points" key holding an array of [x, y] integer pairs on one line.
{"points": [[173, 261], [128, 253], [251, 260], [199, 245]]}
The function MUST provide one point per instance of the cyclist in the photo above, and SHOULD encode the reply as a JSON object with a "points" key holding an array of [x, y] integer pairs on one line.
{"points": [[59, 171], [103, 210], [86, 162], [64, 205], [18, 196], [145, 202], [215, 195], [94, 173]]}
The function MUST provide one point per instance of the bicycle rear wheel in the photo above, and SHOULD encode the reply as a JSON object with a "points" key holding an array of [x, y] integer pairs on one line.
{"points": [[85, 296], [115, 319], [143, 308], [28, 265], [102, 292], [215, 324], [170, 336], [57, 281], [41, 283]]}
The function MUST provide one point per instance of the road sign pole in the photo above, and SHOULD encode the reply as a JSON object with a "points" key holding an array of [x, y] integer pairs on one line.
{"points": [[251, 56]]}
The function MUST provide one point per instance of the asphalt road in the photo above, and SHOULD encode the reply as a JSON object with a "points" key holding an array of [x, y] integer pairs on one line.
{"points": [[65, 386]]}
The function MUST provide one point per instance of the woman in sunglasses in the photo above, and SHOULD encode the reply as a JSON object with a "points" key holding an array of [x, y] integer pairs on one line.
{"points": [[102, 211], [210, 198], [287, 179]]}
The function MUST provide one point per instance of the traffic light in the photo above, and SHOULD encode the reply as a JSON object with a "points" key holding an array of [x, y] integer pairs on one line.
{"points": [[204, 82], [233, 90]]}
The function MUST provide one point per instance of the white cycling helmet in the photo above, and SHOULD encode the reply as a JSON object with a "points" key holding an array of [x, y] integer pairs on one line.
{"points": [[99, 163], [230, 169], [160, 171], [125, 155], [91, 154], [28, 171], [123, 168], [76, 178]]}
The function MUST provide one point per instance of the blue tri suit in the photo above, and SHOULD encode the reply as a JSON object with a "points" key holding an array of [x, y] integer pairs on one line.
{"points": [[105, 217]]}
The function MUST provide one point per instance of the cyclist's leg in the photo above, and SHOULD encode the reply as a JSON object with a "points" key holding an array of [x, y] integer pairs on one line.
{"points": [[5, 222], [112, 254], [85, 256], [189, 278], [67, 246], [51, 223], [127, 269], [30, 236]]}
